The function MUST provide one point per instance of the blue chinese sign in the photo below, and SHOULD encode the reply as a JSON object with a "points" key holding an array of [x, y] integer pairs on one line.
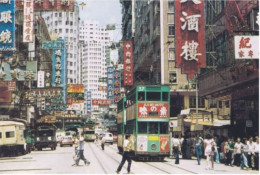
{"points": [[58, 64], [110, 79], [88, 103], [7, 25], [117, 85]]}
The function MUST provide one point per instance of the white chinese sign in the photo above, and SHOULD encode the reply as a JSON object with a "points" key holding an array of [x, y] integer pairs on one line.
{"points": [[40, 82], [246, 47], [28, 21]]}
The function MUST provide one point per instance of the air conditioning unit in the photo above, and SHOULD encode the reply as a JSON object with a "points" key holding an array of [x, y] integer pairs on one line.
{"points": [[193, 86]]}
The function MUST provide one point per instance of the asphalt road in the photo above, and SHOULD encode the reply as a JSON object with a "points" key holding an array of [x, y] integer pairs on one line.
{"points": [[102, 162]]}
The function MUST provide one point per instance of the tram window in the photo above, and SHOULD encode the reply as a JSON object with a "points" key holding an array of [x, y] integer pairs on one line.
{"points": [[153, 96], [153, 128], [165, 96], [142, 127], [141, 96], [164, 128], [9, 134], [0, 135]]}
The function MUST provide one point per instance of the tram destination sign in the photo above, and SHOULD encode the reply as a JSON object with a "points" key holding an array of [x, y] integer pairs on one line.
{"points": [[153, 110]]}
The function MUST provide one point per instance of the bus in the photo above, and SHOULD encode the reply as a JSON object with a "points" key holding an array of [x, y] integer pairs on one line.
{"points": [[144, 115]]}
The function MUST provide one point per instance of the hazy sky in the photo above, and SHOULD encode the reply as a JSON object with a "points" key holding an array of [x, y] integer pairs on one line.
{"points": [[104, 11]]}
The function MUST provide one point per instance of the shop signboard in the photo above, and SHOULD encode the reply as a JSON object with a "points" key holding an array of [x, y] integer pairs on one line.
{"points": [[246, 47], [7, 25], [190, 34], [48, 5], [128, 63]]}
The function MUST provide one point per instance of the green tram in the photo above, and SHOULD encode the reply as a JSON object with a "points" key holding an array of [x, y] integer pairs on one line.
{"points": [[144, 115]]}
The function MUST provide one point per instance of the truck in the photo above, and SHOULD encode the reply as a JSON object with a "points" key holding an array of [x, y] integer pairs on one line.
{"points": [[45, 137]]}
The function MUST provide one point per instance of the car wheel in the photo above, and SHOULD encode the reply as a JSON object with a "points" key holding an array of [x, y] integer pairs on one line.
{"points": [[71, 145], [61, 145], [111, 143]]}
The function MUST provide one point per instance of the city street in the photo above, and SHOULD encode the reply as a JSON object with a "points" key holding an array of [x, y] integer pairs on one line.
{"points": [[103, 162]]}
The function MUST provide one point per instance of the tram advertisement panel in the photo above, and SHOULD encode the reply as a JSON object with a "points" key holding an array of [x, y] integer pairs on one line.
{"points": [[142, 143], [153, 110], [164, 143]]}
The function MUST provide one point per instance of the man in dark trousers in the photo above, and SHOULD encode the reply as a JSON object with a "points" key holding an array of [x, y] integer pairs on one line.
{"points": [[80, 153], [126, 155]]}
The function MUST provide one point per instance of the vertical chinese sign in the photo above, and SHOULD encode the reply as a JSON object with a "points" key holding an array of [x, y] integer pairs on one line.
{"points": [[7, 25], [89, 103], [40, 80], [28, 15], [110, 86], [58, 64], [128, 63], [117, 85], [190, 33]]}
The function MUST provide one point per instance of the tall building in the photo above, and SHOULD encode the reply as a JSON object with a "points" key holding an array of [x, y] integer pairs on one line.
{"points": [[95, 41], [66, 26]]}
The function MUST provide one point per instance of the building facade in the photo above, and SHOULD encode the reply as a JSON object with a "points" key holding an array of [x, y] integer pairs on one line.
{"points": [[95, 41]]}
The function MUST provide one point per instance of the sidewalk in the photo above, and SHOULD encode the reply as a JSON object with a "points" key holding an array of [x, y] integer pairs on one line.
{"points": [[219, 168]]}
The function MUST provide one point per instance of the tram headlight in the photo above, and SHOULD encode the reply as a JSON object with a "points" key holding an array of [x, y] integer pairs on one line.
{"points": [[49, 138]]}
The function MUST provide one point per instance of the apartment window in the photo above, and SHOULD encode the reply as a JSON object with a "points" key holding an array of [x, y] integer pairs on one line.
{"points": [[56, 14], [172, 77], [192, 101], [171, 30], [170, 6], [171, 54], [60, 14], [60, 30]]}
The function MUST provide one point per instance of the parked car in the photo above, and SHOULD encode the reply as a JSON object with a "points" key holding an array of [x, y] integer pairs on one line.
{"points": [[67, 140], [108, 138]]}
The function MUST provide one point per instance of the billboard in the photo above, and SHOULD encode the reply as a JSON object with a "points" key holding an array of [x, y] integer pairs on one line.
{"points": [[20, 70], [246, 47], [128, 63], [190, 34], [49, 5], [101, 102], [117, 85], [75, 88], [110, 79], [88, 103], [7, 25]]}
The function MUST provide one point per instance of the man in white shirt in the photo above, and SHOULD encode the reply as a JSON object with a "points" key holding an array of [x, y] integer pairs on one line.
{"points": [[237, 150], [256, 153], [80, 153], [126, 155]]}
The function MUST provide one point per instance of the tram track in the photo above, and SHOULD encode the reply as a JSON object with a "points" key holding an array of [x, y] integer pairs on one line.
{"points": [[92, 150], [165, 163]]}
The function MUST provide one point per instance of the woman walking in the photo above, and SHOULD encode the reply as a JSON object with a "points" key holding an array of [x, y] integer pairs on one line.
{"points": [[208, 149]]}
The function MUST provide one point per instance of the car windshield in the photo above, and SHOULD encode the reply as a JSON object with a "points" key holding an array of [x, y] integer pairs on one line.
{"points": [[67, 138]]}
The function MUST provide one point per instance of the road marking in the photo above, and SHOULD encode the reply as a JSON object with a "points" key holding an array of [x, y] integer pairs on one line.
{"points": [[42, 169]]}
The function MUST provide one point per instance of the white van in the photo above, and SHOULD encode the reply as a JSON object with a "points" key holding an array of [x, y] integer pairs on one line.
{"points": [[109, 138]]}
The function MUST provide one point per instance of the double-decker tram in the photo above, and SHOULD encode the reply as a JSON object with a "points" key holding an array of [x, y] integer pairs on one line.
{"points": [[144, 115]]}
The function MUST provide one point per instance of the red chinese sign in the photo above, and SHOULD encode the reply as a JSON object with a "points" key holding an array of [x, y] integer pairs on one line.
{"points": [[189, 32], [11, 85], [164, 143], [146, 110], [128, 63], [102, 102], [53, 5]]}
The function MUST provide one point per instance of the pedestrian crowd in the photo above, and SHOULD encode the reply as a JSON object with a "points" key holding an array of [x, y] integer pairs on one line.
{"points": [[241, 152]]}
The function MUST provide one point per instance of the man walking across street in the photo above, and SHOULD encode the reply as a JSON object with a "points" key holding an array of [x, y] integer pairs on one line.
{"points": [[176, 145], [76, 144], [126, 155], [80, 153]]}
